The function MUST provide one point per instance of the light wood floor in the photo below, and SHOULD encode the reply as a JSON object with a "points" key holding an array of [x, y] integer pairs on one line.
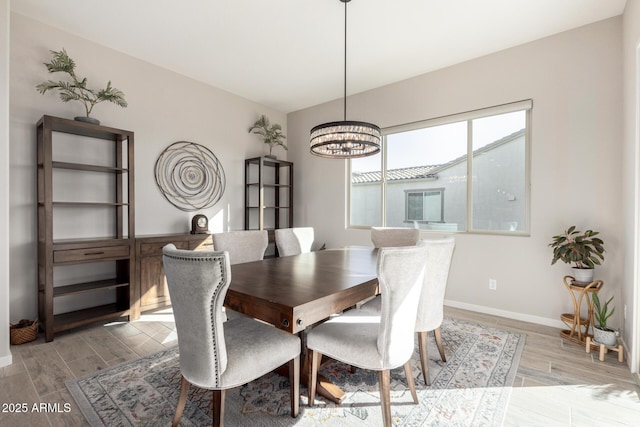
{"points": [[558, 383]]}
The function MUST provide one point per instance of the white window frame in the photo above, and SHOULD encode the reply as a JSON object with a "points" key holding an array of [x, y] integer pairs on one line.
{"points": [[524, 105], [422, 191]]}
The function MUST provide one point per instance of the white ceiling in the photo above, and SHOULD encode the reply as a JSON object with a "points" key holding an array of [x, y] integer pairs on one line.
{"points": [[288, 54]]}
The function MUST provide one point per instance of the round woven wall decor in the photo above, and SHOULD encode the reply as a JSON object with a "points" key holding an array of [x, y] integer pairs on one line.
{"points": [[190, 176]]}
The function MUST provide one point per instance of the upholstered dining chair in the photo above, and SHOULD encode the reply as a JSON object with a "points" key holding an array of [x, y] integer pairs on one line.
{"points": [[431, 307], [391, 236], [377, 342], [394, 236], [294, 241], [243, 246], [217, 355]]}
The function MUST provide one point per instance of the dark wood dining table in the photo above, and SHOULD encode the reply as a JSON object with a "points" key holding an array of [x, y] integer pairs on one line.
{"points": [[295, 292]]}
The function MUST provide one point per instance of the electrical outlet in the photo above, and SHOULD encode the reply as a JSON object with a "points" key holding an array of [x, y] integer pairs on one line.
{"points": [[624, 312], [493, 284]]}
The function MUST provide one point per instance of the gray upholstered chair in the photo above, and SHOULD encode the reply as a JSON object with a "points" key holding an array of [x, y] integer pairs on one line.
{"points": [[430, 310], [394, 236], [243, 246], [294, 241], [216, 355], [383, 237], [377, 342]]}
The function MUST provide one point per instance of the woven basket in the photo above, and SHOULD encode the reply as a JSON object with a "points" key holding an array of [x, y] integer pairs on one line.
{"points": [[24, 331]]}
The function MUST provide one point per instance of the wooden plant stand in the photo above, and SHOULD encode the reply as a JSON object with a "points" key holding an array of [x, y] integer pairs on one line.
{"points": [[579, 326], [604, 349]]}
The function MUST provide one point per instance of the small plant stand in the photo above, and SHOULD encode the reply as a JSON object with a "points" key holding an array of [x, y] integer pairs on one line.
{"points": [[579, 326], [604, 349]]}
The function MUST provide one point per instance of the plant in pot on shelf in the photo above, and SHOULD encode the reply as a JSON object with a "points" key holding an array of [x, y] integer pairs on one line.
{"points": [[76, 89], [583, 250], [270, 133], [601, 332]]}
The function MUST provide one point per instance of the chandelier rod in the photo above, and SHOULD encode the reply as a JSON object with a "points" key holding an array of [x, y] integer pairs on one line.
{"points": [[345, 60]]}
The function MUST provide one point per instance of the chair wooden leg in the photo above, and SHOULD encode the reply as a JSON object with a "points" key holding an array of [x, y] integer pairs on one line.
{"points": [[314, 362], [294, 385], [424, 358], [438, 335], [412, 386], [384, 378], [218, 408], [182, 400]]}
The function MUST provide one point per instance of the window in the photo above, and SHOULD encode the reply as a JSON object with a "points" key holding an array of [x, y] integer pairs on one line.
{"points": [[425, 205], [405, 184]]}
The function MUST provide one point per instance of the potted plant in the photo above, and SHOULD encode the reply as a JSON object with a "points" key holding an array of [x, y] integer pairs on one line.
{"points": [[583, 250], [601, 332], [76, 89], [271, 134]]}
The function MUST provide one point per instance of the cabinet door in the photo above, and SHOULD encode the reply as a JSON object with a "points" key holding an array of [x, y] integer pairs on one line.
{"points": [[154, 292], [153, 284]]}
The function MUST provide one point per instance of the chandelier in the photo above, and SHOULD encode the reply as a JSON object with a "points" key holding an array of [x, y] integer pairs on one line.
{"points": [[345, 139]]}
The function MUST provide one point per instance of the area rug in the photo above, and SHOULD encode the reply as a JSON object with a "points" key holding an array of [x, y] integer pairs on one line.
{"points": [[471, 389]]}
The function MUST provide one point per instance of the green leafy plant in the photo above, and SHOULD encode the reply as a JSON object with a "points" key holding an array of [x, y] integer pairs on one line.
{"points": [[601, 313], [76, 89], [583, 250], [271, 134]]}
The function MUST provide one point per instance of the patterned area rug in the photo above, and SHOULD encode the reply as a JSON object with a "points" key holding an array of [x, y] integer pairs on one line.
{"points": [[471, 389]]}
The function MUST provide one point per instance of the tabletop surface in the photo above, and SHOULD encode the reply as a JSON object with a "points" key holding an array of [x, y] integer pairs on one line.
{"points": [[305, 288]]}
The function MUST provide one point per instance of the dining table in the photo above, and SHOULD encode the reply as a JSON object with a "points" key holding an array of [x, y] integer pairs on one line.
{"points": [[295, 292]]}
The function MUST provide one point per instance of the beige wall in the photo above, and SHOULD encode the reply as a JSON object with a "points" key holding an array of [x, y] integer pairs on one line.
{"points": [[574, 81], [573, 78], [164, 107], [5, 354], [631, 166]]}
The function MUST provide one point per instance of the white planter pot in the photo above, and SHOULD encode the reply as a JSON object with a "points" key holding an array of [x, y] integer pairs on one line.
{"points": [[583, 275], [604, 336]]}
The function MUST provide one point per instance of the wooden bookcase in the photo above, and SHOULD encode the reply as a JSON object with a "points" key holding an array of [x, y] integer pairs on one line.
{"points": [[268, 196], [85, 175]]}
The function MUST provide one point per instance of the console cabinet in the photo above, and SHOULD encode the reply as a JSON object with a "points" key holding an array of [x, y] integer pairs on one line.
{"points": [[152, 282], [86, 217]]}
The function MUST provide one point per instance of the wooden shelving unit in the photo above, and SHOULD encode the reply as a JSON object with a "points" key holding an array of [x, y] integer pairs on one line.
{"points": [[115, 245], [268, 196]]}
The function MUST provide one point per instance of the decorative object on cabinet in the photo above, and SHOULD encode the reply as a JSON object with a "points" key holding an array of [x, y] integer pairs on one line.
{"points": [[190, 176], [199, 224], [77, 89], [584, 251], [85, 223], [578, 324], [150, 279], [345, 139], [603, 334], [268, 197], [271, 134]]}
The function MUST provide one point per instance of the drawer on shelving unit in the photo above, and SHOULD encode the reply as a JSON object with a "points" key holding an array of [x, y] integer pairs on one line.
{"points": [[155, 248], [90, 254]]}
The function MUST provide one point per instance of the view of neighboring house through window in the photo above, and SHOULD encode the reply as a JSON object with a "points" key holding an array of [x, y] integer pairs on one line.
{"points": [[420, 177], [424, 205]]}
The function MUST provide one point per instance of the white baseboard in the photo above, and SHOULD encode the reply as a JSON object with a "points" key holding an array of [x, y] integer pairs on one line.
{"points": [[554, 323], [6, 360]]}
